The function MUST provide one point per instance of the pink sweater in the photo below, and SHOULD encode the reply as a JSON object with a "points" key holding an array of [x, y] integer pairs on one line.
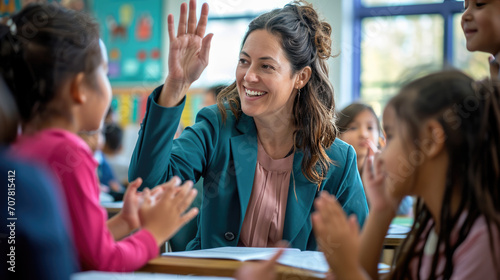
{"points": [[71, 160]]}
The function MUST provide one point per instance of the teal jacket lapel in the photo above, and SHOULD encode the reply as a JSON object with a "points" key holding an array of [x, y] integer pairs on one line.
{"points": [[300, 200], [244, 151]]}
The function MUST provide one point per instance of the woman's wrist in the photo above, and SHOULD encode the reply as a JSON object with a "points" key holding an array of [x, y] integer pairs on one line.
{"points": [[173, 92]]}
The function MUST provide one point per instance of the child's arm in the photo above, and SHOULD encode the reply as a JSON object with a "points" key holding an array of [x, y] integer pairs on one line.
{"points": [[338, 237], [166, 216]]}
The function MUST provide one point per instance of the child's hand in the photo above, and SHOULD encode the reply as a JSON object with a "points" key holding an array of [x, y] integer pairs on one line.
{"points": [[131, 203], [261, 271], [494, 67], [165, 217], [337, 235], [374, 182]]}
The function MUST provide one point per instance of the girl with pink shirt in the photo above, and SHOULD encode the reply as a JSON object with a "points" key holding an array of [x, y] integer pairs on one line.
{"points": [[53, 62], [443, 143]]}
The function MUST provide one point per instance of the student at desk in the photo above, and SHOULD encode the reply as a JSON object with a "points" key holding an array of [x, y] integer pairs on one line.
{"points": [[359, 126], [268, 147], [456, 232], [36, 221], [57, 77]]}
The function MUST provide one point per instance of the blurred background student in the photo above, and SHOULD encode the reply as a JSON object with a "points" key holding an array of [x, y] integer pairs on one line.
{"points": [[210, 95], [359, 126]]}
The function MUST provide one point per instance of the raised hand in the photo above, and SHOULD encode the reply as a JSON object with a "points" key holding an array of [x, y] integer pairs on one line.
{"points": [[337, 236], [188, 52], [165, 217]]}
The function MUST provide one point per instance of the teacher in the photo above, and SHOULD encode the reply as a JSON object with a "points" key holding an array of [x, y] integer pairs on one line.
{"points": [[268, 147]]}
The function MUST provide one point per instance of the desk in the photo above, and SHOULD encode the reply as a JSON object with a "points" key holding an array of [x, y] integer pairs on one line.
{"points": [[395, 237], [393, 241], [218, 267]]}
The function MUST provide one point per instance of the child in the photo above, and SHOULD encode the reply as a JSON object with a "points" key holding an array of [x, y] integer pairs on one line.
{"points": [[443, 137], [109, 186], [55, 65], [359, 126], [42, 220], [481, 26]]}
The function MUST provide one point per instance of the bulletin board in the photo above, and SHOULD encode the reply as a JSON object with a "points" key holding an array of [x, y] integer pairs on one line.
{"points": [[132, 32], [8, 7]]}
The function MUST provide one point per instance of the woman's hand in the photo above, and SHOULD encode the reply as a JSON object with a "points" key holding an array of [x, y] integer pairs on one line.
{"points": [[188, 53], [165, 217], [337, 236]]}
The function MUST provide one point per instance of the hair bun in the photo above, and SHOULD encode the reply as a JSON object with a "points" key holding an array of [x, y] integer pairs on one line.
{"points": [[320, 30]]}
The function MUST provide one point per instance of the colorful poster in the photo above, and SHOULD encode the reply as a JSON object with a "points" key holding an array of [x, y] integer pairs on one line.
{"points": [[132, 32], [8, 7]]}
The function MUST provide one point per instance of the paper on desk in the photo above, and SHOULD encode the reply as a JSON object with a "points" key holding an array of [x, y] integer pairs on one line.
{"points": [[101, 275], [309, 260], [398, 230]]}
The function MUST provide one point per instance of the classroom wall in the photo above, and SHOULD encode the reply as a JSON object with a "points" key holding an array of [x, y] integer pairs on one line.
{"points": [[339, 13]]}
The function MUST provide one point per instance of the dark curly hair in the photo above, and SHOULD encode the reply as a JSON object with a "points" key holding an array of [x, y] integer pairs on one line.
{"points": [[41, 47]]}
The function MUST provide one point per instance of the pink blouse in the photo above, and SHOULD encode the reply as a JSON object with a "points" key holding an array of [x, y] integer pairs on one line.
{"points": [[265, 216]]}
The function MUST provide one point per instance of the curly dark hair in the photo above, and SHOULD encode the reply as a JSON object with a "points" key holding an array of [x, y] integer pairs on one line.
{"points": [[41, 47]]}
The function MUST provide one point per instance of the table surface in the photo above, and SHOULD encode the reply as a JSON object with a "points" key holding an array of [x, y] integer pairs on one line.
{"points": [[219, 267]]}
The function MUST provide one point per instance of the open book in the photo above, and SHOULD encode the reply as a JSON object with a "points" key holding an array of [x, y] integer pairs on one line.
{"points": [[310, 260]]}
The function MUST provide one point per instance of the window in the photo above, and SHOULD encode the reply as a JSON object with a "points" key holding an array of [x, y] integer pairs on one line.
{"points": [[228, 20], [400, 40]]}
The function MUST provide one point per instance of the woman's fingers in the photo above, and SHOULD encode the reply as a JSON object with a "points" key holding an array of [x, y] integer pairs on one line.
{"points": [[191, 28], [181, 30], [205, 47], [171, 28], [202, 24]]}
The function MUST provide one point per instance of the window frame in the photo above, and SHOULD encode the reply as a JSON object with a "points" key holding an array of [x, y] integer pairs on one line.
{"points": [[447, 9]]}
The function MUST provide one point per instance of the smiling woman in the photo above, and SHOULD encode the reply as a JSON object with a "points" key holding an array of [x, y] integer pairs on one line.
{"points": [[268, 146]]}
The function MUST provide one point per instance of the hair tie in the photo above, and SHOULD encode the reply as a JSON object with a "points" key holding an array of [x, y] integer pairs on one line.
{"points": [[12, 27]]}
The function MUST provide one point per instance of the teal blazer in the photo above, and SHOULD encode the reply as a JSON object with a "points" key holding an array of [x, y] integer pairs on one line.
{"points": [[225, 154]]}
